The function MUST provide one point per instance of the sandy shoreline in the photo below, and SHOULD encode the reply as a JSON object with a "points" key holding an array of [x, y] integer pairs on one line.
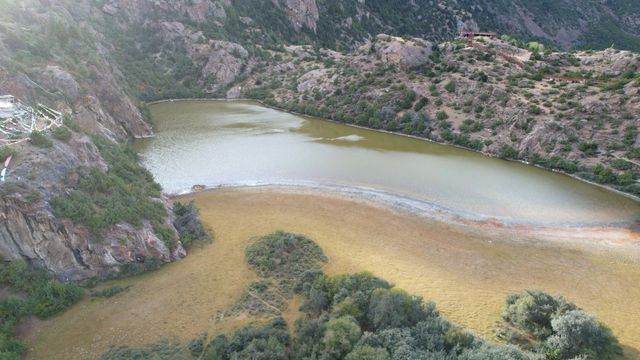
{"points": [[610, 237]]}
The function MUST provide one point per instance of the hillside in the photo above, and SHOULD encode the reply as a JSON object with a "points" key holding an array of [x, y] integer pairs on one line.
{"points": [[99, 61]]}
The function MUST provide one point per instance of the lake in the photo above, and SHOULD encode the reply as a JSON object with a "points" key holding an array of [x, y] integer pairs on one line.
{"points": [[240, 143]]}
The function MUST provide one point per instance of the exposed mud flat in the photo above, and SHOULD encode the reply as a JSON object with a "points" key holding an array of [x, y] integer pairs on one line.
{"points": [[467, 270]]}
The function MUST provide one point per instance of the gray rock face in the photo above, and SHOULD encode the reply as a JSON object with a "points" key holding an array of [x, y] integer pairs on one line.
{"points": [[401, 52], [301, 13], [221, 60], [139, 10], [316, 79], [54, 77]]}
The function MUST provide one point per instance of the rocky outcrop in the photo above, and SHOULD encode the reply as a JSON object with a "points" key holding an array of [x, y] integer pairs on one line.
{"points": [[405, 53], [316, 80], [301, 13], [29, 230], [142, 11], [219, 60]]}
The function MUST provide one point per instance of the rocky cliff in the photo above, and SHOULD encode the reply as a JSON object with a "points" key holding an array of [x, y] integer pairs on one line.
{"points": [[97, 61]]}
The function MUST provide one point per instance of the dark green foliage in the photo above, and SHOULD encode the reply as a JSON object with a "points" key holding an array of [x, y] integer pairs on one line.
{"points": [[365, 352], [604, 175], [508, 152], [187, 223], [471, 126], [34, 292], [395, 308], [283, 261], [442, 115], [61, 133], [421, 104], [535, 110], [125, 193], [588, 148], [5, 152], [451, 86], [576, 334], [621, 164], [553, 326], [40, 139], [361, 317], [555, 163], [285, 257], [533, 311]]}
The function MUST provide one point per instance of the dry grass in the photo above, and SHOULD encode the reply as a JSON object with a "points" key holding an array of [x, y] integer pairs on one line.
{"points": [[468, 273]]}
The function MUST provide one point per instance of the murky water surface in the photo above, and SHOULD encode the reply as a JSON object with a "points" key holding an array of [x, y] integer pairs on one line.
{"points": [[241, 143]]}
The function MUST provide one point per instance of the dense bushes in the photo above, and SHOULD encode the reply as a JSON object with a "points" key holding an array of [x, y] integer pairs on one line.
{"points": [[126, 192], [284, 256], [187, 223], [362, 317], [30, 293], [557, 328], [282, 261]]}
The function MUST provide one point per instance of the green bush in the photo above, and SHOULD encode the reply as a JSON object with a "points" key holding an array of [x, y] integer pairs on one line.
{"points": [[508, 152], [551, 325], [450, 87], [578, 335], [442, 115], [588, 148], [61, 133], [37, 294], [5, 152], [40, 139], [125, 193], [187, 223]]}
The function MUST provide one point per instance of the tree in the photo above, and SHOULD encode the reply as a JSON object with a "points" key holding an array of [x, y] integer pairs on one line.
{"points": [[578, 334], [394, 308], [340, 336], [533, 311], [368, 353]]}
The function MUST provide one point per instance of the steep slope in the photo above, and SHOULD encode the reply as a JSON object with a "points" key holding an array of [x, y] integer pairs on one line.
{"points": [[96, 61], [51, 56]]}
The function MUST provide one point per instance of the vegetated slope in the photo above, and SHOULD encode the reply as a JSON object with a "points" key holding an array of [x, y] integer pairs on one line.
{"points": [[95, 62], [574, 112], [75, 203]]}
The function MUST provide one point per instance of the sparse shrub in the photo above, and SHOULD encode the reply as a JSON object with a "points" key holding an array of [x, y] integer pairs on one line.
{"points": [[508, 152], [61, 133], [40, 139], [451, 86], [5, 152]]}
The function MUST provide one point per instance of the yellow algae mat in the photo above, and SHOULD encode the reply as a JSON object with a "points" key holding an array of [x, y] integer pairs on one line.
{"points": [[467, 272]]}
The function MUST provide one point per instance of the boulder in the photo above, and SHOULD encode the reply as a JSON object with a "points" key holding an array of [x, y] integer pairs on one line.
{"points": [[405, 53]]}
